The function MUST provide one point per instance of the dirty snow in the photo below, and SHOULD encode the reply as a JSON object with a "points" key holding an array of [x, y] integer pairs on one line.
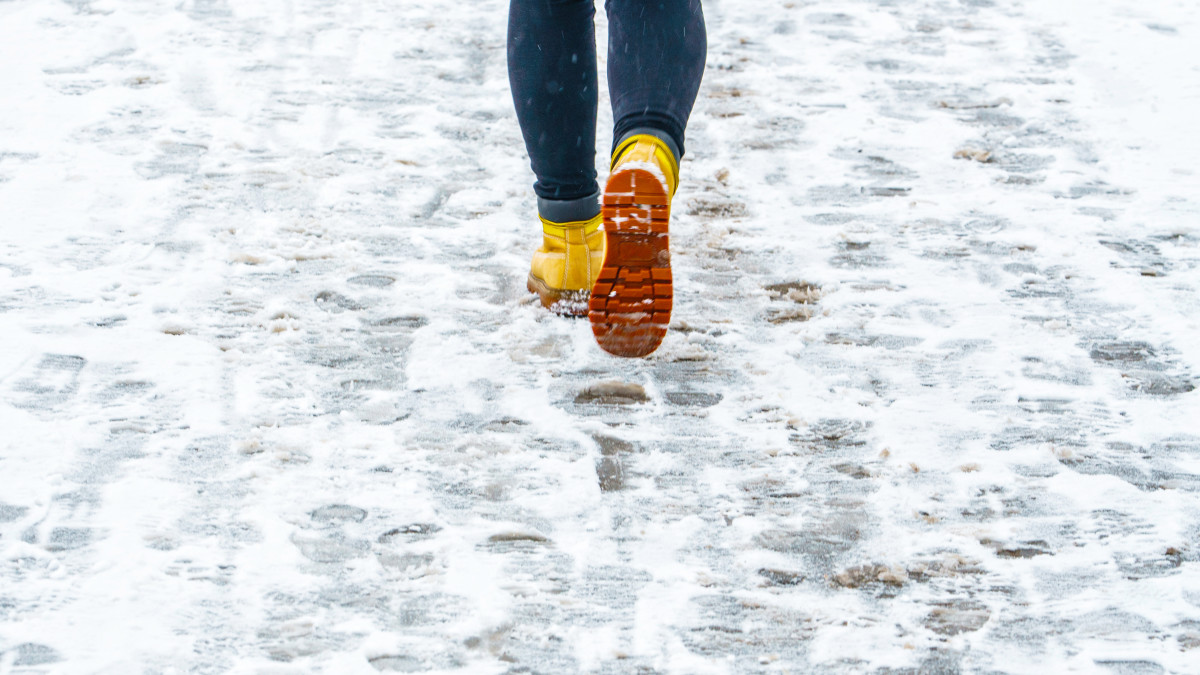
{"points": [[274, 399]]}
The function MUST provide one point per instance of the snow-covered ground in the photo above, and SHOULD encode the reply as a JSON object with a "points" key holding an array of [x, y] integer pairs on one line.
{"points": [[273, 397]]}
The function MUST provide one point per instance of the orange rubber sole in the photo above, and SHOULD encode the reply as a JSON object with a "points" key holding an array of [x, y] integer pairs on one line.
{"points": [[630, 305]]}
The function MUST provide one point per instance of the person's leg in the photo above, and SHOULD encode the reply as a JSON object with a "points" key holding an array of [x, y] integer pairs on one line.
{"points": [[656, 54], [552, 73]]}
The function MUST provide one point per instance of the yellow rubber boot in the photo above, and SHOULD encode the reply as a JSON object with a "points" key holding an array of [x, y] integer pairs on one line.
{"points": [[630, 305], [565, 268]]}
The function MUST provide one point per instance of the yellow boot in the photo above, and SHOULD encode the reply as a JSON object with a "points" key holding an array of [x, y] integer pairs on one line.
{"points": [[564, 269], [630, 305]]}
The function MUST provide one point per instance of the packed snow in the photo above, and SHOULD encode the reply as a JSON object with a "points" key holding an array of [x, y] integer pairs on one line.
{"points": [[274, 398]]}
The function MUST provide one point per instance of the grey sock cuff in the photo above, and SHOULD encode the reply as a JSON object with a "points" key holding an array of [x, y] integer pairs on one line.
{"points": [[569, 210], [657, 133]]}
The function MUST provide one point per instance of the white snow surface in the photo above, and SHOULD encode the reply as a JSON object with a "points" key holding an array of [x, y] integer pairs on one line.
{"points": [[274, 398]]}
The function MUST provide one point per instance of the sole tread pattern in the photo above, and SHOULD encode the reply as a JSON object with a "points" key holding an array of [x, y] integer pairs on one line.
{"points": [[630, 304]]}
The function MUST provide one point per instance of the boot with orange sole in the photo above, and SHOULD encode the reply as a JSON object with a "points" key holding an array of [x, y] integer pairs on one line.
{"points": [[630, 304]]}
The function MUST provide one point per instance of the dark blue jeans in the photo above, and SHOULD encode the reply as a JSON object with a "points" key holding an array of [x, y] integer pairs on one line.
{"points": [[656, 53]]}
